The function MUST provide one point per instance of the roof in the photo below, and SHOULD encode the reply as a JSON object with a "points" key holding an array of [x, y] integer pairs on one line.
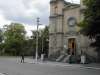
{"points": [[70, 5]]}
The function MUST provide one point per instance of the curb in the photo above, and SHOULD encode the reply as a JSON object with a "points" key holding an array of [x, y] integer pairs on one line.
{"points": [[61, 65], [69, 65], [95, 68], [3, 74]]}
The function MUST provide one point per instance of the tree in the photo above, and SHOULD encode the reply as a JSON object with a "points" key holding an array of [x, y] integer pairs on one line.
{"points": [[14, 38], [1, 36], [91, 23], [1, 40], [43, 41], [45, 38]]}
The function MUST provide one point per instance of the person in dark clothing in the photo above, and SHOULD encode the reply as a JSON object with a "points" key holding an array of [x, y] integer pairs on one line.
{"points": [[22, 58]]}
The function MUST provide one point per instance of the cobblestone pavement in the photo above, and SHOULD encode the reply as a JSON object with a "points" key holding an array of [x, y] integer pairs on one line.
{"points": [[12, 66]]}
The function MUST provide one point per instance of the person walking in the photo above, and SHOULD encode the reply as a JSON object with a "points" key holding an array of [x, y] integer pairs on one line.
{"points": [[22, 58]]}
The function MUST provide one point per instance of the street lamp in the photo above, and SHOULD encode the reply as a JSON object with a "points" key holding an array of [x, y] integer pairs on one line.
{"points": [[36, 54]]}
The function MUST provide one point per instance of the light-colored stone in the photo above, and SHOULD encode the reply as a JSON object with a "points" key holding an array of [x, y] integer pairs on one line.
{"points": [[61, 32]]}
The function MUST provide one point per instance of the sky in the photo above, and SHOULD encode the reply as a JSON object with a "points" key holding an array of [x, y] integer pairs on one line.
{"points": [[25, 12]]}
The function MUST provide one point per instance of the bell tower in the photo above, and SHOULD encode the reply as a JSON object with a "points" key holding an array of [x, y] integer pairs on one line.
{"points": [[56, 27]]}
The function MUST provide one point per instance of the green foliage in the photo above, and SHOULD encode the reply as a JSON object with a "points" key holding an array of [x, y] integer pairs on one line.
{"points": [[14, 38], [91, 22], [45, 37], [43, 41], [1, 40], [1, 36], [15, 41]]}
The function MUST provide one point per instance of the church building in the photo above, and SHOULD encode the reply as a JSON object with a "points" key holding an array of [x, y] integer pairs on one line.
{"points": [[64, 35]]}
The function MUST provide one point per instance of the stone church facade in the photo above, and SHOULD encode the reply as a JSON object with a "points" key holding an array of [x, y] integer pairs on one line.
{"points": [[64, 30]]}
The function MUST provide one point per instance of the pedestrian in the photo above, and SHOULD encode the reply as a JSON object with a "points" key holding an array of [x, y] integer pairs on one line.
{"points": [[42, 57], [83, 58], [22, 58]]}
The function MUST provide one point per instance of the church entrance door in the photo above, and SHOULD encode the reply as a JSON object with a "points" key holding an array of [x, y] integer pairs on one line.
{"points": [[71, 46]]}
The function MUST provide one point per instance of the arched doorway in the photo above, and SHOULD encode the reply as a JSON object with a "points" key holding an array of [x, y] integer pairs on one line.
{"points": [[71, 46]]}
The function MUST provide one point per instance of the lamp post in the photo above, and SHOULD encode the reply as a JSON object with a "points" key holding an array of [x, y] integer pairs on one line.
{"points": [[36, 54]]}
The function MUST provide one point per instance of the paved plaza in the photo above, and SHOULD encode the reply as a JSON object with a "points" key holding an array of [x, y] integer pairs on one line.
{"points": [[12, 66]]}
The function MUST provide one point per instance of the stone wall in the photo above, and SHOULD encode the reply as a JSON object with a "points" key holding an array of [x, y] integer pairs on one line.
{"points": [[60, 32]]}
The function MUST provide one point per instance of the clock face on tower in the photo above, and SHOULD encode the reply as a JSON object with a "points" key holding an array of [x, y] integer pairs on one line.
{"points": [[71, 21]]}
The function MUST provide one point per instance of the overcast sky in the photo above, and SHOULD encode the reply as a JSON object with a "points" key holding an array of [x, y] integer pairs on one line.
{"points": [[25, 11]]}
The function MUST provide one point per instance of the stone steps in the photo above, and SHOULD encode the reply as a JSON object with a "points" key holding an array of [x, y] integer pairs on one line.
{"points": [[60, 58], [66, 59]]}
